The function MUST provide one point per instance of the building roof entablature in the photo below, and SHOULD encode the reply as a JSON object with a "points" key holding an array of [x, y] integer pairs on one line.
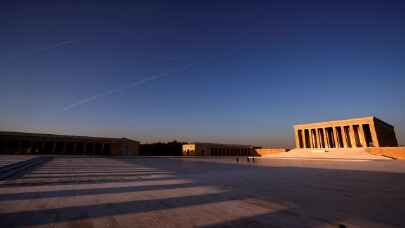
{"points": [[342, 122]]}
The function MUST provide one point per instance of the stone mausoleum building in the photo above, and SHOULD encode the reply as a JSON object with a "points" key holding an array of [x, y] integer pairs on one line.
{"points": [[349, 133], [214, 149], [34, 143]]}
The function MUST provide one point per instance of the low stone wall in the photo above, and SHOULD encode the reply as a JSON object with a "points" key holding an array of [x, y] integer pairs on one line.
{"points": [[392, 152], [268, 151]]}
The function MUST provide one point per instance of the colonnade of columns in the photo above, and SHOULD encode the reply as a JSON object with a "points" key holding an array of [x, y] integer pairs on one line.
{"points": [[348, 136], [27, 146]]}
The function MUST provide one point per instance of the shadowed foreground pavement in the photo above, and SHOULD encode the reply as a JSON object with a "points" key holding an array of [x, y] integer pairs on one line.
{"points": [[187, 192]]}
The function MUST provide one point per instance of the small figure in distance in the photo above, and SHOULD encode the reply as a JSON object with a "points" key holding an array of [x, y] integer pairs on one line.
{"points": [[253, 159], [247, 159], [237, 159]]}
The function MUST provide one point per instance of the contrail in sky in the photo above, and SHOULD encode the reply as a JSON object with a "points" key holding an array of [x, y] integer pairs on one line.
{"points": [[60, 44], [120, 89], [39, 50]]}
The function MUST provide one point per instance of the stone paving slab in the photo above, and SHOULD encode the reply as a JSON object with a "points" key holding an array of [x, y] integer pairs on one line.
{"points": [[198, 192]]}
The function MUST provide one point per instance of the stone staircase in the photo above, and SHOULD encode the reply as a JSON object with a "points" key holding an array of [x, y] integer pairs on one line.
{"points": [[328, 153], [19, 166]]}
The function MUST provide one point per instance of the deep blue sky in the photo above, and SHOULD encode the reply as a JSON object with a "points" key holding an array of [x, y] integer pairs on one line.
{"points": [[222, 71]]}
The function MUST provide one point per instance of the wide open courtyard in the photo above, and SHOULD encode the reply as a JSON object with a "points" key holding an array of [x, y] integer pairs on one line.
{"points": [[71, 191]]}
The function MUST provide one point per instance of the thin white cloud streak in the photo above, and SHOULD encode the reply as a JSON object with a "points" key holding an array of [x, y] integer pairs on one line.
{"points": [[58, 45], [119, 90], [43, 49]]}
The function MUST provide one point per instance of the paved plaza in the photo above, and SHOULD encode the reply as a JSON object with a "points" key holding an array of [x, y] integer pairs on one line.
{"points": [[71, 191]]}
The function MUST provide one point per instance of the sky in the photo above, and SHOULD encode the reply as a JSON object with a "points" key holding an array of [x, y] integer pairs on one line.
{"points": [[239, 72]]}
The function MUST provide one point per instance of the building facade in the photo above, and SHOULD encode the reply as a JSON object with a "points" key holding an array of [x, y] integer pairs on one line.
{"points": [[269, 151], [213, 149], [349, 133], [32, 143]]}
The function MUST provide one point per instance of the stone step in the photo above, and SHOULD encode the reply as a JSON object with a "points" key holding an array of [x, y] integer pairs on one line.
{"points": [[328, 153], [18, 167]]}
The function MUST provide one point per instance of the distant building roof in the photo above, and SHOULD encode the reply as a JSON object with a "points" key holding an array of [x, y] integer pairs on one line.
{"points": [[55, 136]]}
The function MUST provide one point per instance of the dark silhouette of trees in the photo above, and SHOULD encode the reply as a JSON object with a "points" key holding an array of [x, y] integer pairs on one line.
{"points": [[173, 148]]}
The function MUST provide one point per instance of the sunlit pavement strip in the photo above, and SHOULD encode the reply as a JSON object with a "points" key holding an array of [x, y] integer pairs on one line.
{"points": [[74, 201], [324, 159], [179, 216], [46, 188], [178, 192]]}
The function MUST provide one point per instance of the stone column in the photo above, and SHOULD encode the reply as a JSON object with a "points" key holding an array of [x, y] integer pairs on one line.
{"points": [[64, 148], [42, 150], [19, 147], [374, 135], [321, 137], [326, 138], [304, 140], [342, 130], [362, 136], [352, 137], [28, 150], [84, 147], [332, 143], [335, 136], [318, 143], [53, 148], [311, 139], [37, 146], [74, 148], [297, 139], [102, 149]]}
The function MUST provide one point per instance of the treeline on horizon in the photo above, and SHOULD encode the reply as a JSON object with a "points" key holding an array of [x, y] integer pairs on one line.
{"points": [[173, 148]]}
